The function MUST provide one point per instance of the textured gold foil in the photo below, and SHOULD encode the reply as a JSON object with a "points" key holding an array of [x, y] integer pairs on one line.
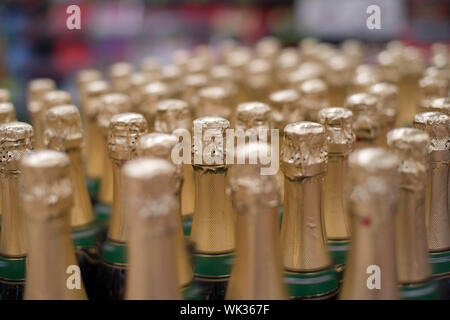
{"points": [[150, 199], [338, 76], [124, 132], [152, 94], [171, 76], [172, 114], [5, 96], [47, 199], [120, 76], [16, 139], [430, 88], [285, 104], [364, 77], [373, 195], [338, 125], [192, 84], [437, 125], [214, 101], [151, 67], [366, 124], [305, 71], [7, 112], [286, 63], [64, 133], [304, 163], [411, 146]]}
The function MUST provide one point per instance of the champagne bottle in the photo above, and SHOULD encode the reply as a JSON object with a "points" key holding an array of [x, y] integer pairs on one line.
{"points": [[308, 267], [387, 96], [138, 81], [313, 96], [366, 124], [171, 115], [268, 48], [94, 143], [5, 95], [236, 59], [308, 70], [47, 201], [171, 77], [84, 78], [257, 273], [151, 67], [16, 139], [64, 133], [222, 75], [7, 114], [285, 103], [439, 105], [215, 101], [285, 64], [259, 80], [124, 131], [408, 88], [338, 76], [436, 124], [212, 226], [192, 84], [364, 77], [338, 125], [160, 145], [110, 104], [152, 93], [120, 76], [414, 272], [354, 50], [52, 99], [430, 88], [150, 187], [371, 271], [37, 88]]}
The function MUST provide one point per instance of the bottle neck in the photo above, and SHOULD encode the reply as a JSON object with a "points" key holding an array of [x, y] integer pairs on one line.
{"points": [[51, 261], [337, 223], [257, 272], [105, 194], [303, 235], [12, 237], [213, 223], [372, 246], [438, 218], [117, 229], [152, 269], [81, 213], [95, 151], [411, 239]]}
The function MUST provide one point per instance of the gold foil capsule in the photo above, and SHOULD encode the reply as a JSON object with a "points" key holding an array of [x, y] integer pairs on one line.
{"points": [[313, 96], [151, 67], [365, 117], [172, 114], [7, 112], [5, 95], [120, 75], [152, 94], [215, 101], [285, 107]]}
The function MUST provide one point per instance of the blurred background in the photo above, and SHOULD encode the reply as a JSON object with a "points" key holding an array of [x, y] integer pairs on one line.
{"points": [[35, 42]]}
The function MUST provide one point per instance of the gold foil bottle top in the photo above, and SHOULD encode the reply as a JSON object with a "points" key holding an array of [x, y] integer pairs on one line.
{"points": [[304, 151], [436, 124], [152, 93], [180, 58], [288, 59], [159, 145], [259, 67], [411, 146], [63, 131], [55, 98], [354, 50], [94, 91], [120, 75], [195, 82], [440, 60], [47, 186], [313, 97], [414, 63], [197, 65], [268, 47], [16, 139], [137, 81], [373, 181], [432, 87], [171, 76], [440, 105], [38, 87], [364, 77], [365, 116], [285, 101], [390, 65], [339, 71], [387, 96], [110, 105], [7, 112], [248, 187], [306, 71], [172, 114], [338, 125], [124, 131], [5, 96], [151, 67], [150, 185], [252, 115], [214, 101], [237, 59], [308, 48], [439, 47], [87, 75], [208, 148]]}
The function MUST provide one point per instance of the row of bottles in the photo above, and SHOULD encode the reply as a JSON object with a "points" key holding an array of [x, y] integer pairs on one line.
{"points": [[354, 194]]}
